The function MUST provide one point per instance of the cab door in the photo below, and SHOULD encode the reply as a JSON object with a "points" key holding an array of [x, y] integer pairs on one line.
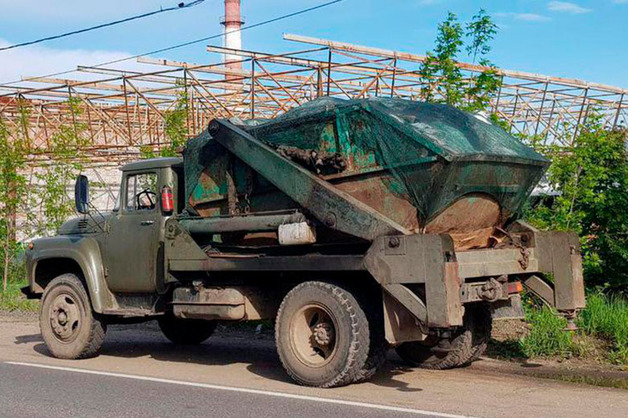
{"points": [[133, 239]]}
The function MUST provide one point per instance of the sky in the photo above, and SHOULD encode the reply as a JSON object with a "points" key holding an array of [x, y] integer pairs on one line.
{"points": [[582, 39]]}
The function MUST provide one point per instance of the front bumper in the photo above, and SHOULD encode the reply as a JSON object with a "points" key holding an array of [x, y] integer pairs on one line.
{"points": [[26, 291]]}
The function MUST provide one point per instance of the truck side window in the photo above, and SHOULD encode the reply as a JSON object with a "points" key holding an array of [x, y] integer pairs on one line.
{"points": [[141, 192]]}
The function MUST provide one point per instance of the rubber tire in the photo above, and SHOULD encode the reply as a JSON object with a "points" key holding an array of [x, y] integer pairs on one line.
{"points": [[483, 327], [352, 336], [376, 359], [378, 346], [186, 331], [93, 328], [468, 344]]}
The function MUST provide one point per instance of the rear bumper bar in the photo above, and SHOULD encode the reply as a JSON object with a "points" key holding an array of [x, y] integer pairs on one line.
{"points": [[537, 255], [445, 277]]}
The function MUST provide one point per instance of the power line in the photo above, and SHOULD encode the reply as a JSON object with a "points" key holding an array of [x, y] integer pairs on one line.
{"points": [[246, 27], [179, 6]]}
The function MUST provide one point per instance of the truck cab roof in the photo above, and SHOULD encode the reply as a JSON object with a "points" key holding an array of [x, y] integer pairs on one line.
{"points": [[153, 163]]}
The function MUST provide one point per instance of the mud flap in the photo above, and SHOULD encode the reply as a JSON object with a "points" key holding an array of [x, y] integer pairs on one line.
{"points": [[508, 309], [400, 325]]}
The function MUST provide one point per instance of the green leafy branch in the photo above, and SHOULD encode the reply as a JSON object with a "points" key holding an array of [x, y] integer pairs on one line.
{"points": [[441, 77], [175, 127]]}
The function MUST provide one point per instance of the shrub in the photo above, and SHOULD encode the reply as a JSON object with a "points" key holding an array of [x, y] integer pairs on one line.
{"points": [[605, 318], [592, 177]]}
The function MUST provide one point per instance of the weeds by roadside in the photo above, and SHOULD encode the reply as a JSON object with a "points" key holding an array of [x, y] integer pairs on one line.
{"points": [[546, 336], [14, 300], [607, 318], [603, 333]]}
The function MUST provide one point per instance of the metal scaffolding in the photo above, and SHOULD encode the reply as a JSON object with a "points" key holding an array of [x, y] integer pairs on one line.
{"points": [[121, 111]]}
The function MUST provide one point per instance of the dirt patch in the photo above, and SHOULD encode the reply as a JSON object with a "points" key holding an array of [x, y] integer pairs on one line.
{"points": [[569, 371], [510, 329], [18, 316]]}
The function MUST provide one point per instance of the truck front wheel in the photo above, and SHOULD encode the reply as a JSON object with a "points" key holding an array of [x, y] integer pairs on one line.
{"points": [[322, 335], [464, 346], [71, 330], [186, 331]]}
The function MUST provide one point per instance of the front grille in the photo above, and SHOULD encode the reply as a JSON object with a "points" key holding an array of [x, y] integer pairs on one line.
{"points": [[82, 224]]}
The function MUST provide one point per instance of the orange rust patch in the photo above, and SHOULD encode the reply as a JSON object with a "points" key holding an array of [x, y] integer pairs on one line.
{"points": [[374, 192]]}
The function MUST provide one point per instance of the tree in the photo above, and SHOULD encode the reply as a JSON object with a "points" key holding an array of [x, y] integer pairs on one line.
{"points": [[13, 151], [592, 178], [175, 127], [481, 31], [64, 165], [441, 77], [439, 71]]}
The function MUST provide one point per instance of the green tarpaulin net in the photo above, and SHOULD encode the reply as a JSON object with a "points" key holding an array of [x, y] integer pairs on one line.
{"points": [[428, 154]]}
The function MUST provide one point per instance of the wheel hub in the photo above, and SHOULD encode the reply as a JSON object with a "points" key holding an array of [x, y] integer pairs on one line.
{"points": [[313, 335], [323, 334], [62, 318], [65, 317]]}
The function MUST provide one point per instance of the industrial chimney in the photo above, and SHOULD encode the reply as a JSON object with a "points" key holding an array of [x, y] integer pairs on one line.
{"points": [[233, 22]]}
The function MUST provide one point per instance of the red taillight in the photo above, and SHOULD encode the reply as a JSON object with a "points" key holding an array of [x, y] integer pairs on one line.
{"points": [[515, 287], [167, 201]]}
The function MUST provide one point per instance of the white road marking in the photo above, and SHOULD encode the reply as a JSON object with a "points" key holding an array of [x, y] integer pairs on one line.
{"points": [[242, 390]]}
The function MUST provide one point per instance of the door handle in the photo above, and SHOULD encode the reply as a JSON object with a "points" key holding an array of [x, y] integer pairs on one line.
{"points": [[146, 223]]}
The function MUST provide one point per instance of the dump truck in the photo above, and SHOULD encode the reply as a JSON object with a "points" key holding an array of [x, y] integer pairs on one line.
{"points": [[355, 226]]}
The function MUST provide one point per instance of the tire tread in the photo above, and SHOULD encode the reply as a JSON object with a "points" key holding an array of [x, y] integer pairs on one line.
{"points": [[353, 369], [98, 327], [467, 346]]}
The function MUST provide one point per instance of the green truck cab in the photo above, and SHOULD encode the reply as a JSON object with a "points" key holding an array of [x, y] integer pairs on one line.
{"points": [[332, 237], [115, 252]]}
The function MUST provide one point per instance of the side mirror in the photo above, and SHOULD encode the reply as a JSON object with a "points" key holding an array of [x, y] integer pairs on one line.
{"points": [[81, 194]]}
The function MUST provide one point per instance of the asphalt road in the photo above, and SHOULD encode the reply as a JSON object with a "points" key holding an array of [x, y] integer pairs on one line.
{"points": [[238, 374], [30, 391]]}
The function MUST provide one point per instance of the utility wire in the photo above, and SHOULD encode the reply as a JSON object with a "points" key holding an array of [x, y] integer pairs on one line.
{"points": [[179, 6], [157, 51]]}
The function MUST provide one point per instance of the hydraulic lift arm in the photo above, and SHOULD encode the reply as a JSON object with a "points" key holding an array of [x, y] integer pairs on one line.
{"points": [[334, 208]]}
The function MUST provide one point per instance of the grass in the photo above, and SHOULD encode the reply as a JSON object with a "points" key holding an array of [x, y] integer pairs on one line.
{"points": [[14, 300], [603, 333], [607, 318], [546, 337]]}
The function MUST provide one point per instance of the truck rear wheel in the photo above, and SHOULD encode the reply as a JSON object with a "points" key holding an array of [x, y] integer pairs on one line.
{"points": [[378, 347], [483, 326], [186, 331], [71, 330], [322, 335], [465, 345]]}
